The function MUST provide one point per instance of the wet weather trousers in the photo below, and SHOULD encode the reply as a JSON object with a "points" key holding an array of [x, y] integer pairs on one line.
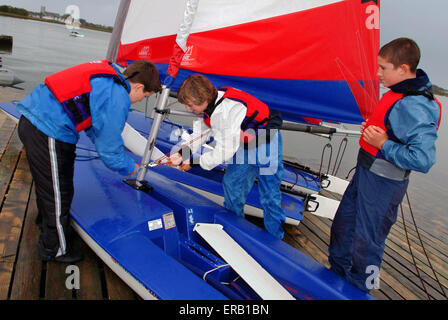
{"points": [[265, 165], [362, 222], [52, 166]]}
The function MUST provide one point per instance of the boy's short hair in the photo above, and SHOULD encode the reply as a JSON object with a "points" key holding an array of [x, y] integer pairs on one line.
{"points": [[196, 89], [144, 72], [402, 51]]}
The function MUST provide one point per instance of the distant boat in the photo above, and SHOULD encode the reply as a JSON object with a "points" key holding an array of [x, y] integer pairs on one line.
{"points": [[75, 33]]}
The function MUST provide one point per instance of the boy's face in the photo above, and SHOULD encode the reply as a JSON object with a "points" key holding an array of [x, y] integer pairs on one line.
{"points": [[389, 75], [138, 92], [197, 109]]}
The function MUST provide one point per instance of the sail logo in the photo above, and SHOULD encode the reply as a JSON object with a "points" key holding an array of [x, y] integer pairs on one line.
{"points": [[373, 16], [189, 57], [144, 52]]}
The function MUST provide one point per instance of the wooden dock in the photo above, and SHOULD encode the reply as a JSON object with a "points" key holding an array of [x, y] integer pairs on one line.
{"points": [[24, 277]]}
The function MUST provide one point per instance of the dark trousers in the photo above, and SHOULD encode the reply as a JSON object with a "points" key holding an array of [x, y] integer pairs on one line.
{"points": [[52, 166], [361, 225]]}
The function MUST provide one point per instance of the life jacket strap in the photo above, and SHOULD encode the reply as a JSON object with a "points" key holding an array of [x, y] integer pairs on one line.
{"points": [[382, 167]]}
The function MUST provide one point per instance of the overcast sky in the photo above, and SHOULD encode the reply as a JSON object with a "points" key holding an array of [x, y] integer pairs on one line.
{"points": [[422, 20]]}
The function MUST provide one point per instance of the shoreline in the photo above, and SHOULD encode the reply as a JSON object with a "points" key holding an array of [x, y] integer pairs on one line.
{"points": [[12, 15]]}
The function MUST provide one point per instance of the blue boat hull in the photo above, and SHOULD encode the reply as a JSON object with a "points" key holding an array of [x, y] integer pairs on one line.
{"points": [[150, 236]]}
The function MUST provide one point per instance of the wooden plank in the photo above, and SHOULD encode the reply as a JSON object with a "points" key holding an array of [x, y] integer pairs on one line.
{"points": [[306, 246], [4, 137], [11, 222], [55, 278], [90, 284], [321, 249], [420, 260], [6, 130], [28, 270], [406, 268], [9, 158], [116, 288], [405, 255], [432, 245]]}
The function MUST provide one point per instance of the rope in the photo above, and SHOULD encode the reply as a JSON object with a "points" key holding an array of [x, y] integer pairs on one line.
{"points": [[297, 173], [423, 247], [412, 254], [214, 269], [327, 146], [335, 171]]}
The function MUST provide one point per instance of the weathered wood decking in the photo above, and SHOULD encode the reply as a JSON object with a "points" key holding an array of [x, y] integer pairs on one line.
{"points": [[23, 276]]}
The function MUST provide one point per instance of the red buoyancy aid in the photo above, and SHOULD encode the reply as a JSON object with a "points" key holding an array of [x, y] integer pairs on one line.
{"points": [[257, 112], [71, 87], [377, 118]]}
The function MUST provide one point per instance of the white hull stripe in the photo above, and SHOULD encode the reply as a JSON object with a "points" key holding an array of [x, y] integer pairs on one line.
{"points": [[57, 195]]}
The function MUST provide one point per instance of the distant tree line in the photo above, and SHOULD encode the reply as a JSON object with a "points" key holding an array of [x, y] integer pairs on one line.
{"points": [[84, 23], [13, 10]]}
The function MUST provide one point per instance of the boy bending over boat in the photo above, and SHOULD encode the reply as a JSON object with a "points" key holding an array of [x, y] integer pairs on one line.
{"points": [[246, 137], [94, 97], [398, 137]]}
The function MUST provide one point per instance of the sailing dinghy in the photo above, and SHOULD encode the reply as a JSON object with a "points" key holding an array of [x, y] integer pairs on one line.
{"points": [[308, 59]]}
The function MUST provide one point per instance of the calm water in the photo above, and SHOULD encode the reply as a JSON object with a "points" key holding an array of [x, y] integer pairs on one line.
{"points": [[42, 48]]}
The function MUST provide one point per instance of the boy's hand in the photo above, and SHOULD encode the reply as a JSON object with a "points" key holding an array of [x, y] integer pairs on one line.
{"points": [[363, 125], [174, 160], [133, 171], [185, 166], [375, 136]]}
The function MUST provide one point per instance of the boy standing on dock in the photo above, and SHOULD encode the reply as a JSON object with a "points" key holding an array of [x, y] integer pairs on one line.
{"points": [[94, 97], [398, 137]]}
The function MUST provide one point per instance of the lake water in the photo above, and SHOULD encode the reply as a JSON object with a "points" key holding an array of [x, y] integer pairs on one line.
{"points": [[41, 48]]}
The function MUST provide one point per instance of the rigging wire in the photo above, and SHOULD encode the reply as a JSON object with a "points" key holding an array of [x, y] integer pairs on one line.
{"points": [[423, 247], [165, 156], [327, 146], [343, 142]]}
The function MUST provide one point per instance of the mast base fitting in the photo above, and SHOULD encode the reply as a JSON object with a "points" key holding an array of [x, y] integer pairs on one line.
{"points": [[140, 185]]}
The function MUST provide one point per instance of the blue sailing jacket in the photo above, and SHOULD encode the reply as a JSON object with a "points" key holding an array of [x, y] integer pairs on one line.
{"points": [[414, 122], [109, 107]]}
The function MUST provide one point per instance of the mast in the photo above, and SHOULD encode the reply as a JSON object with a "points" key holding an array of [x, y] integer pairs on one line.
{"points": [[114, 42], [179, 49]]}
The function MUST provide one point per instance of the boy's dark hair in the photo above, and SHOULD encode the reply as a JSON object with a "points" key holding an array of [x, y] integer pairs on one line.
{"points": [[144, 72], [402, 51], [196, 89]]}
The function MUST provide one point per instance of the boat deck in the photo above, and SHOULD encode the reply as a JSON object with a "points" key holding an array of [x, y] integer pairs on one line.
{"points": [[23, 276]]}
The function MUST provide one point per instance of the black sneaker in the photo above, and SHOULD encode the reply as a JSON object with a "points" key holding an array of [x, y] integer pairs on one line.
{"points": [[69, 257]]}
